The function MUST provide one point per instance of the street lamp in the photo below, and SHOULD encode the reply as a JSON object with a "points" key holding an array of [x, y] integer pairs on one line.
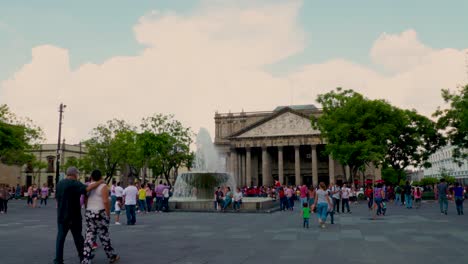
{"points": [[57, 170]]}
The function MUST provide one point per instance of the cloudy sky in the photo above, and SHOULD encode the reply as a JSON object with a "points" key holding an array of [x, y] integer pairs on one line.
{"points": [[129, 59]]}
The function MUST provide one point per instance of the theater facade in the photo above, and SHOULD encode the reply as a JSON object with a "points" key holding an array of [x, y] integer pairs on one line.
{"points": [[259, 147]]}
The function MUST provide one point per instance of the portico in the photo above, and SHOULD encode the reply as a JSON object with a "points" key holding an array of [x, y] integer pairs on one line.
{"points": [[260, 147]]}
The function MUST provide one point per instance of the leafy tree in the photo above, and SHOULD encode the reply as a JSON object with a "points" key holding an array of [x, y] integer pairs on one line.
{"points": [[454, 121], [356, 129], [17, 137], [107, 148], [172, 141], [390, 175], [37, 167], [361, 132], [414, 140], [428, 181]]}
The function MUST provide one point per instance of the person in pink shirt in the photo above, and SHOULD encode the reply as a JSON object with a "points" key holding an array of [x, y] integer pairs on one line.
{"points": [[303, 194], [289, 196], [417, 196], [44, 194]]}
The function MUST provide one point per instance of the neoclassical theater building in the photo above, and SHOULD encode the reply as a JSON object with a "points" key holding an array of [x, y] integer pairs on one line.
{"points": [[259, 147]]}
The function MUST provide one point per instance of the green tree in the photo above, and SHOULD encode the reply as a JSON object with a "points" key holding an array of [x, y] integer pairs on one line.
{"points": [[356, 129], [454, 121], [18, 136], [172, 141], [415, 138], [428, 181], [37, 166], [390, 175], [107, 148], [361, 132]]}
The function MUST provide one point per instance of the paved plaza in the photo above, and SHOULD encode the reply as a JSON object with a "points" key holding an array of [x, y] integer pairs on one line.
{"points": [[404, 236]]}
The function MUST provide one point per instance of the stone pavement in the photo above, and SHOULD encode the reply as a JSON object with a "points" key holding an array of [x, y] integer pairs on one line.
{"points": [[404, 236]]}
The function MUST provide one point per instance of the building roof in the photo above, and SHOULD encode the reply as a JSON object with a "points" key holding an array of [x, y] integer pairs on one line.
{"points": [[308, 107]]}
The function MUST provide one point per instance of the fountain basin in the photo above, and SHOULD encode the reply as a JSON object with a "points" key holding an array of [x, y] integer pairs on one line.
{"points": [[249, 204]]}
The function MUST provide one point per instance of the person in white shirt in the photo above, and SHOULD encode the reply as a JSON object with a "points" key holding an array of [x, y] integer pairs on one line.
{"points": [[118, 191], [113, 197], [166, 198], [131, 196], [237, 199], [336, 195], [345, 192], [97, 221]]}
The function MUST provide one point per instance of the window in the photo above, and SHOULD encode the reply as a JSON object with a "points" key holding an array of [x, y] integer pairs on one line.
{"points": [[50, 164]]}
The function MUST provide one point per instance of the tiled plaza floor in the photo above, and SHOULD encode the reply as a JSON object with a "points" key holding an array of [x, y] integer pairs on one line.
{"points": [[403, 236]]}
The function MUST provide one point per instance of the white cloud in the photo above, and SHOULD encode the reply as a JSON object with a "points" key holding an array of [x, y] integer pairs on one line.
{"points": [[399, 52], [213, 59]]}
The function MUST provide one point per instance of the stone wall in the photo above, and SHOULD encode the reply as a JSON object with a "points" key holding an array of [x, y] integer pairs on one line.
{"points": [[9, 175]]}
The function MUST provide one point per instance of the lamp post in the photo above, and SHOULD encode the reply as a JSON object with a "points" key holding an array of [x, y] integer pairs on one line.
{"points": [[57, 170]]}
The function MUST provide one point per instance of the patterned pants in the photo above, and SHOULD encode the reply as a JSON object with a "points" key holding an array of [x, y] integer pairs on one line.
{"points": [[96, 222]]}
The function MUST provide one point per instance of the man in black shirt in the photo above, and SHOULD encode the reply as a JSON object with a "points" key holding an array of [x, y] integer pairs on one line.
{"points": [[408, 197], [69, 218]]}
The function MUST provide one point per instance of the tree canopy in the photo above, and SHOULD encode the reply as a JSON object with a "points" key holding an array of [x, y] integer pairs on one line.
{"points": [[17, 137], [454, 120], [361, 132], [161, 144]]}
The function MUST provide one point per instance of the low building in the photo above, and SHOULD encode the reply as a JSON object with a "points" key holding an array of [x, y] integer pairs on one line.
{"points": [[48, 154], [442, 163], [260, 147], [10, 175]]}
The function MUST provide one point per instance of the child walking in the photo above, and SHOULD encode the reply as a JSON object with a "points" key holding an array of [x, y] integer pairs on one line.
{"points": [[305, 214], [117, 209]]}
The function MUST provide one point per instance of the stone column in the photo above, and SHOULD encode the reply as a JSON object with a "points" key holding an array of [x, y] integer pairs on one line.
{"points": [[264, 166], [239, 168], [314, 166], [280, 165], [331, 169], [297, 165], [248, 166], [233, 166]]}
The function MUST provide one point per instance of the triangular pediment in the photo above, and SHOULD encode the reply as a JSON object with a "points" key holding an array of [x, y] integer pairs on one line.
{"points": [[286, 123]]}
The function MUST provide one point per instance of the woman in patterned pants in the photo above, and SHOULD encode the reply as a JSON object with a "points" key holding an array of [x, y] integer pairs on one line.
{"points": [[97, 221]]}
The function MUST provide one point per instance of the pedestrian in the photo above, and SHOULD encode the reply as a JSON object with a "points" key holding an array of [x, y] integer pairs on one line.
{"points": [[283, 200], [30, 198], [311, 195], [148, 197], [44, 194], [97, 218], [289, 196], [160, 196], [303, 192], [345, 192], [4, 198], [227, 198], [18, 192], [321, 203], [379, 195], [119, 192], [336, 195], [305, 215], [142, 199], [113, 196], [398, 195], [166, 196], [237, 199], [117, 210], [35, 195], [459, 197], [69, 218], [417, 196], [408, 195], [130, 195], [218, 203], [442, 190], [369, 193]]}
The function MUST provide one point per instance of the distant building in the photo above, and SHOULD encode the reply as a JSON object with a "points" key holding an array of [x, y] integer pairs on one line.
{"points": [[10, 175], [260, 147], [48, 154], [442, 162]]}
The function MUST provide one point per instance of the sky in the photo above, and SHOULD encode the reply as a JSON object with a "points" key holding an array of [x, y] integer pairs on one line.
{"points": [[130, 59]]}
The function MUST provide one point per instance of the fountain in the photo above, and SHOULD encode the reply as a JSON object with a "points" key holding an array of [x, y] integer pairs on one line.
{"points": [[194, 191]]}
